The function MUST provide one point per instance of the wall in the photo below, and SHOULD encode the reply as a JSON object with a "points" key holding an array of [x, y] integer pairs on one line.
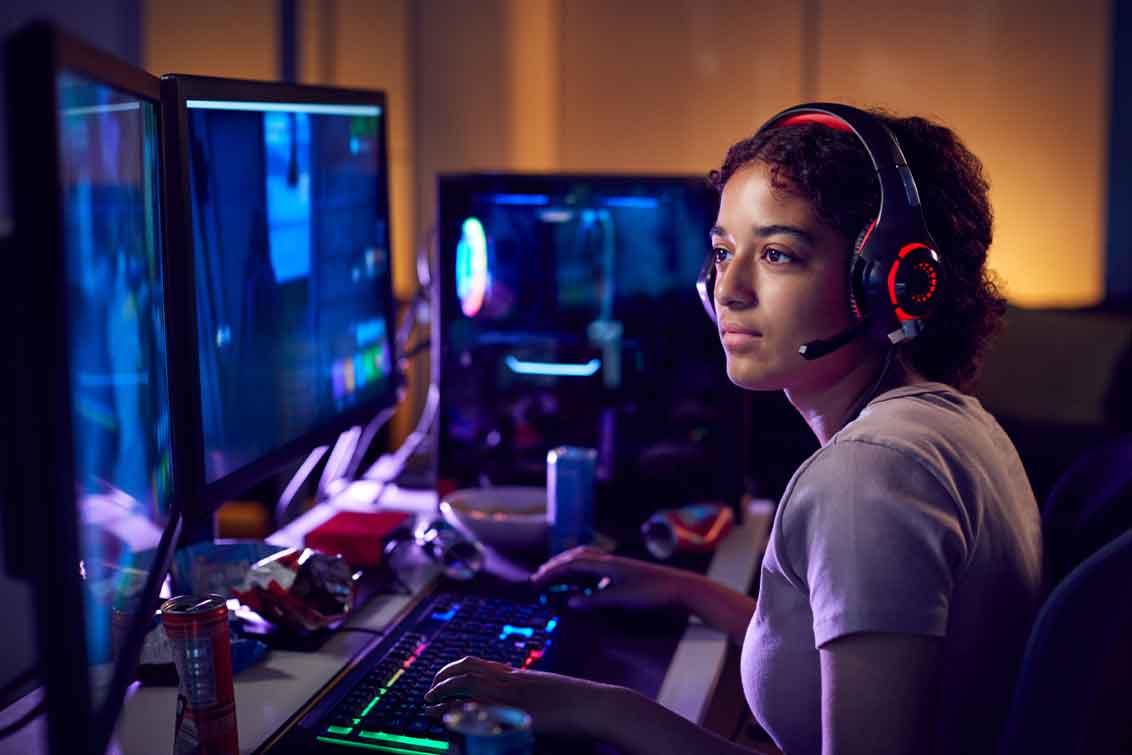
{"points": [[667, 87], [1026, 86], [586, 85], [240, 40]]}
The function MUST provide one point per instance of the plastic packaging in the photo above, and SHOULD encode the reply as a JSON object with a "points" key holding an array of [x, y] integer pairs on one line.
{"points": [[302, 590]]}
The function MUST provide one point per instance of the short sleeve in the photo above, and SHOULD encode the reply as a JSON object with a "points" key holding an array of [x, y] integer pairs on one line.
{"points": [[875, 539]]}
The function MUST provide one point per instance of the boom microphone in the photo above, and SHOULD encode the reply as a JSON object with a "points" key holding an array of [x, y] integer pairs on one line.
{"points": [[819, 348]]}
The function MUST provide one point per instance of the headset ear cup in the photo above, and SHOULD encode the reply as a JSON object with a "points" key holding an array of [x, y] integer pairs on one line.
{"points": [[705, 287], [856, 282]]}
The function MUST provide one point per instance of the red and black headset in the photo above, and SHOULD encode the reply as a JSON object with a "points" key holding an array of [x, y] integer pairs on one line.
{"points": [[895, 274]]}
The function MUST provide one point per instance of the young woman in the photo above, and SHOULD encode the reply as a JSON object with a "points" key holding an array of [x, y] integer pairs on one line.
{"points": [[903, 568]]}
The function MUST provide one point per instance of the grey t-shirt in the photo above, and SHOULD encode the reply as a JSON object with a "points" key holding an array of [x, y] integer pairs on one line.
{"points": [[916, 518]]}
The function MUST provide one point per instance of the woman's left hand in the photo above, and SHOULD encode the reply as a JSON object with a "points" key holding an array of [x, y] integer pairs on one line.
{"points": [[558, 705]]}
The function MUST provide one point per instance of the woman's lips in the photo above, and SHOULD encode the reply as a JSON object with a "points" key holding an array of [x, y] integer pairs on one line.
{"points": [[738, 337]]}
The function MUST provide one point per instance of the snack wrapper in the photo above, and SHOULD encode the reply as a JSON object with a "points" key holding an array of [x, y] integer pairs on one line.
{"points": [[215, 568], [300, 589], [696, 527]]}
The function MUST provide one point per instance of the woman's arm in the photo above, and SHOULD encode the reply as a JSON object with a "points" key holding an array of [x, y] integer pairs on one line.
{"points": [[636, 725], [717, 606], [565, 706], [879, 693], [639, 584]]}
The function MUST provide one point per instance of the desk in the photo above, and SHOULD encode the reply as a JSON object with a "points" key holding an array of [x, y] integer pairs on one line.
{"points": [[267, 695]]}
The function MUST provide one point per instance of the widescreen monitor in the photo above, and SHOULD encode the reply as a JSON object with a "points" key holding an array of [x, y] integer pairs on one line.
{"points": [[89, 496], [284, 222], [569, 316]]}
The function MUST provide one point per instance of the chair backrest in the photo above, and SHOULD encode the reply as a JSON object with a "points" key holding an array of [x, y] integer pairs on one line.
{"points": [[1074, 688], [1090, 505]]}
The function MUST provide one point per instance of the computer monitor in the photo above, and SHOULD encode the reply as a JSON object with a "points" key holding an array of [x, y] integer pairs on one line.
{"points": [[568, 315], [286, 315], [90, 509]]}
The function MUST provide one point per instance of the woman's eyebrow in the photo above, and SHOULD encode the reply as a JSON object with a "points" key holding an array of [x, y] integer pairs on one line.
{"points": [[766, 231]]}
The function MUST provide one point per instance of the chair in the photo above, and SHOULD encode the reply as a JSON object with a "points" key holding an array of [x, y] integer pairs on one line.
{"points": [[1074, 688], [1090, 504]]}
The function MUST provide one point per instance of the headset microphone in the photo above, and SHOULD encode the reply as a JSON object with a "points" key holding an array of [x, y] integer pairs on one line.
{"points": [[817, 349]]}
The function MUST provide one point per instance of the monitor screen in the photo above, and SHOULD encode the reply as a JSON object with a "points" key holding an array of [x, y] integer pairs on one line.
{"points": [[569, 316], [119, 382], [291, 268]]}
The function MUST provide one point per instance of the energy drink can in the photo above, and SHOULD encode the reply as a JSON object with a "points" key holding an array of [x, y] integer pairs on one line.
{"points": [[197, 628], [570, 473], [479, 729], [696, 527]]}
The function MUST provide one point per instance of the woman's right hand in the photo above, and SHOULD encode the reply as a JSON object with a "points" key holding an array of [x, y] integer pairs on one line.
{"points": [[632, 583]]}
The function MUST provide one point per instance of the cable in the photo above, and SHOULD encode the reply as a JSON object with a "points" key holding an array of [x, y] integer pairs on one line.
{"points": [[417, 349], [389, 467], [370, 432], [362, 630], [18, 681], [24, 720]]}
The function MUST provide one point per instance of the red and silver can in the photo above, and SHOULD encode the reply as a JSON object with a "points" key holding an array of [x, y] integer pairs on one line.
{"points": [[197, 628]]}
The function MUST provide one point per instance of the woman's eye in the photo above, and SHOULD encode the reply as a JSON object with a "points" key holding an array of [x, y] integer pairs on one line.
{"points": [[719, 255], [777, 256]]}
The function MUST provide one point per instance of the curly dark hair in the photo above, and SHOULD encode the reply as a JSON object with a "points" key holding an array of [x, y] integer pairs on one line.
{"points": [[830, 168]]}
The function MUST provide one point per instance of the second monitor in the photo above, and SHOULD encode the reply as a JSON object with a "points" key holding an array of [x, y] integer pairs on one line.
{"points": [[285, 205], [569, 316]]}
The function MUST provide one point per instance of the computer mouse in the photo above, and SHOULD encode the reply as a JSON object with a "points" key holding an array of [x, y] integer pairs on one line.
{"points": [[559, 592]]}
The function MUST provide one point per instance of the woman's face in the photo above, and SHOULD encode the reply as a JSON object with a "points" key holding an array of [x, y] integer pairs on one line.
{"points": [[781, 281]]}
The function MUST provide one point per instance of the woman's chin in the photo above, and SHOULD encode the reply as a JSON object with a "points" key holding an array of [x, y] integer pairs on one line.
{"points": [[752, 377]]}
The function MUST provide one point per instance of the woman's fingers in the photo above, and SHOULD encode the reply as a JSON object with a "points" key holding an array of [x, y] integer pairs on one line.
{"points": [[460, 678], [579, 561], [460, 685]]}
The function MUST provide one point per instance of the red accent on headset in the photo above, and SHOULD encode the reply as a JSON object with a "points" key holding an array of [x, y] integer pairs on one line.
{"points": [[822, 119], [900, 313], [853, 303]]}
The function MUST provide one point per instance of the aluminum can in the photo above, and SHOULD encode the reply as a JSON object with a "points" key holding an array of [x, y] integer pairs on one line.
{"points": [[696, 527], [478, 729], [197, 628], [570, 494]]}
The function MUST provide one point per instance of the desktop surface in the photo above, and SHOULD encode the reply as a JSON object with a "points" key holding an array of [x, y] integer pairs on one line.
{"points": [[378, 705], [676, 662]]}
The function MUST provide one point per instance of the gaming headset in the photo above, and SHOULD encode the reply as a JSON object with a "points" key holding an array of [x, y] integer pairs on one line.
{"points": [[895, 274]]}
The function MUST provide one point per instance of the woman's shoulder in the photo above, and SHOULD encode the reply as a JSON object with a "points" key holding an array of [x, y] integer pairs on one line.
{"points": [[933, 422], [927, 443]]}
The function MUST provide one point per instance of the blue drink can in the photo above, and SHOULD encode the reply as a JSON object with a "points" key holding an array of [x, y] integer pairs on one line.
{"points": [[479, 729], [570, 473]]}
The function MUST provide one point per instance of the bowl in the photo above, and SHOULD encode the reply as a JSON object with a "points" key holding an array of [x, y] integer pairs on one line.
{"points": [[508, 517]]}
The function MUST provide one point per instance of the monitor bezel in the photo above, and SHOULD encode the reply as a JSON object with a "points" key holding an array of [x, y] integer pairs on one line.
{"points": [[449, 184], [177, 90], [41, 416]]}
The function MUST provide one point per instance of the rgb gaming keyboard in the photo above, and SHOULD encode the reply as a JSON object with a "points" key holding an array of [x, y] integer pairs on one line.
{"points": [[381, 707]]}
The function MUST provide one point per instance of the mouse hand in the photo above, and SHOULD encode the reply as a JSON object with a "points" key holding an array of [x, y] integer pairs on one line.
{"points": [[628, 582]]}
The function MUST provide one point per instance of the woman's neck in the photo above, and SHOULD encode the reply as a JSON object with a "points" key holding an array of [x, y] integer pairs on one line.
{"points": [[833, 406]]}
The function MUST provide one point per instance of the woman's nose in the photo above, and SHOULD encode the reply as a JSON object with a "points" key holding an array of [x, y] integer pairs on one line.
{"points": [[734, 287]]}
